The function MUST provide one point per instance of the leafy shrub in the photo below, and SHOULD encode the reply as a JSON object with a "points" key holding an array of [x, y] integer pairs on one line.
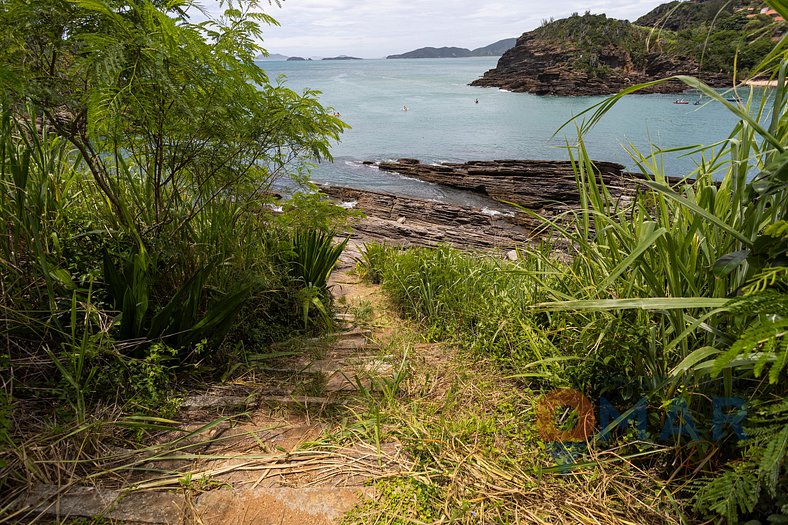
{"points": [[313, 258]]}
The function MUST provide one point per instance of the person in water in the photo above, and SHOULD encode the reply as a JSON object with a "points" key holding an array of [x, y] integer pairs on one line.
{"points": [[404, 108], [477, 100]]}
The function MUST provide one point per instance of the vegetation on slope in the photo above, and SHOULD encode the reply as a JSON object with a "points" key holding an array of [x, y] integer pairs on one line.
{"points": [[711, 34], [673, 309], [139, 245]]}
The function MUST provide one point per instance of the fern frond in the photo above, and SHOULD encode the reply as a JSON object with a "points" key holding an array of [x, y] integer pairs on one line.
{"points": [[736, 491], [773, 461], [765, 341]]}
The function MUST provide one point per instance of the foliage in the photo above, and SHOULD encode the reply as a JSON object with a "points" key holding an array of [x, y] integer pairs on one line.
{"points": [[373, 257], [313, 258], [675, 293], [138, 239]]}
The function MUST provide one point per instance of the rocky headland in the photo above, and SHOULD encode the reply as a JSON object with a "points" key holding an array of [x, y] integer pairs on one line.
{"points": [[591, 55]]}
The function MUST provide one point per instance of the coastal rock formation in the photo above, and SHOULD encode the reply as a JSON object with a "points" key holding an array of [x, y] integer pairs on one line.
{"points": [[421, 222], [545, 186], [589, 55]]}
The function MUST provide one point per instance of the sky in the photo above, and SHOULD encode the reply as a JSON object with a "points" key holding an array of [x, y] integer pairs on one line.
{"points": [[374, 29]]}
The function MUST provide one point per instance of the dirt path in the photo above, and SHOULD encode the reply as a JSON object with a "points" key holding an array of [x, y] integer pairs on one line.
{"points": [[369, 425], [263, 449]]}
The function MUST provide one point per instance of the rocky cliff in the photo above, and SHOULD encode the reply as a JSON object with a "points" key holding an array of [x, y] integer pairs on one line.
{"points": [[590, 55]]}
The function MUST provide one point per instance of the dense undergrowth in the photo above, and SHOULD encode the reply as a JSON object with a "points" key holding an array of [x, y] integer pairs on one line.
{"points": [[669, 314], [139, 247]]}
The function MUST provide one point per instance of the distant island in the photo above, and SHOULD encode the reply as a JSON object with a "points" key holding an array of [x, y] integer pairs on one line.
{"points": [[271, 57], [494, 49], [596, 55], [297, 59], [342, 57]]}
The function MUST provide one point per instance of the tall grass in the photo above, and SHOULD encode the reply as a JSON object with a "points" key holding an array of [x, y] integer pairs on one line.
{"points": [[676, 297]]}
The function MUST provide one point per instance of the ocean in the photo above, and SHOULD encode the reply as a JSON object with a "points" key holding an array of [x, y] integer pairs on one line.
{"points": [[444, 122]]}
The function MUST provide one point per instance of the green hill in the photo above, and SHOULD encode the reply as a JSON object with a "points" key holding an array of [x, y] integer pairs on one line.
{"points": [[594, 54]]}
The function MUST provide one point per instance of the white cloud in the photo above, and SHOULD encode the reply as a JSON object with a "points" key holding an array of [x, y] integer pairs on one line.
{"points": [[384, 27]]}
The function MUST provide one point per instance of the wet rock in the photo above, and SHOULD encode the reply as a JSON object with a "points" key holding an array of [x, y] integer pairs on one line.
{"points": [[420, 222], [545, 186]]}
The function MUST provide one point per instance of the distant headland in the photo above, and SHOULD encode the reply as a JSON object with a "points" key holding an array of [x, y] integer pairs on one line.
{"points": [[493, 50], [342, 57]]}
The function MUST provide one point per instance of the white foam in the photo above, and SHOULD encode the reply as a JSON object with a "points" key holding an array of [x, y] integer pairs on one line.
{"points": [[348, 205], [493, 213]]}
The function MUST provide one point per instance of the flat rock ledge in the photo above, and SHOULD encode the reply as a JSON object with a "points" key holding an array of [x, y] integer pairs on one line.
{"points": [[544, 186], [548, 188], [420, 222]]}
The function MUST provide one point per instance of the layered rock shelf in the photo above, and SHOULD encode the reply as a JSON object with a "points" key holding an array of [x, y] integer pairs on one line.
{"points": [[548, 188], [544, 186], [420, 222]]}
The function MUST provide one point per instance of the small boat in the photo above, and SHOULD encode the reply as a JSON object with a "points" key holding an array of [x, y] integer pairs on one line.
{"points": [[680, 102]]}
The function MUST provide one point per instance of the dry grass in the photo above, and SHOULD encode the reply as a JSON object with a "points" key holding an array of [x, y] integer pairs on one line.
{"points": [[476, 455]]}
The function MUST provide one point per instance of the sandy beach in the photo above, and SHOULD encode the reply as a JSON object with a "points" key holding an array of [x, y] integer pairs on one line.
{"points": [[761, 83]]}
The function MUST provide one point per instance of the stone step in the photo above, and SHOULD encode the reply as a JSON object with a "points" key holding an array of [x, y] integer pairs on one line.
{"points": [[352, 333], [300, 401], [349, 364], [260, 506]]}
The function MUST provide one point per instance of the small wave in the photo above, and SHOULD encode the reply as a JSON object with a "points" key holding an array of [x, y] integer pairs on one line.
{"points": [[348, 205], [504, 90], [358, 164], [275, 208], [494, 213]]}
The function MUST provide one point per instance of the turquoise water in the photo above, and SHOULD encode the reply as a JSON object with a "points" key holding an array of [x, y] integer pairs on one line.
{"points": [[445, 124]]}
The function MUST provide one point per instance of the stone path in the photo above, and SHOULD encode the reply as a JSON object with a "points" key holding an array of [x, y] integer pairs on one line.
{"points": [[250, 452]]}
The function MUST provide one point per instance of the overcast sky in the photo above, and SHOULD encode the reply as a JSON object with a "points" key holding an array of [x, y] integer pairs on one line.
{"points": [[376, 28]]}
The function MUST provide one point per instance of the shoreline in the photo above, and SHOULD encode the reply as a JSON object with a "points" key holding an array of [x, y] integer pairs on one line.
{"points": [[761, 83], [517, 190]]}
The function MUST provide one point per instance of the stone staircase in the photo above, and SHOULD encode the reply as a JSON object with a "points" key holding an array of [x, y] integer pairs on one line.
{"points": [[250, 452]]}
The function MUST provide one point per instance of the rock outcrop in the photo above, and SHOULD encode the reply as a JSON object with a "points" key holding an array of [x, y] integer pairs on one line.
{"points": [[548, 188], [544, 186], [420, 222], [589, 55]]}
